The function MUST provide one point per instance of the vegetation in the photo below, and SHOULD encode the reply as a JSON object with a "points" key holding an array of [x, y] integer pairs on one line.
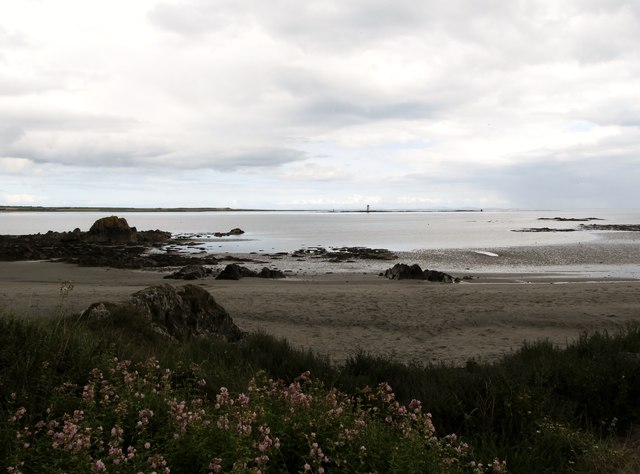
{"points": [[117, 398]]}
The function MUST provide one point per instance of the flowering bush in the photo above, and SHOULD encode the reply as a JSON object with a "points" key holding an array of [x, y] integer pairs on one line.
{"points": [[141, 418]]}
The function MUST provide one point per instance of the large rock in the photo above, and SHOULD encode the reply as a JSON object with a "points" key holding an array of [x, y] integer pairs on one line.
{"points": [[190, 272], [235, 231], [112, 229], [402, 271], [271, 273], [177, 313], [233, 271]]}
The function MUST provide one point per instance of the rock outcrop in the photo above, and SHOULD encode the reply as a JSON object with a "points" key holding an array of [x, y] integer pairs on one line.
{"points": [[190, 272], [176, 313], [402, 271], [112, 229], [110, 242], [235, 231], [233, 271]]}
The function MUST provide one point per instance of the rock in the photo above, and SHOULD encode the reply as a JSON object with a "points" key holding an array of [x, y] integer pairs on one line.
{"points": [[271, 273], [441, 277], [176, 313], [402, 271], [112, 229], [235, 231], [233, 271], [190, 272]]}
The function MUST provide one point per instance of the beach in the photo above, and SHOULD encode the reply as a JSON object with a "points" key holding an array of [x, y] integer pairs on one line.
{"points": [[339, 309]]}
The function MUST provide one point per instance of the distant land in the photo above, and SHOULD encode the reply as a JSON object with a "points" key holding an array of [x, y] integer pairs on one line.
{"points": [[205, 209], [117, 209]]}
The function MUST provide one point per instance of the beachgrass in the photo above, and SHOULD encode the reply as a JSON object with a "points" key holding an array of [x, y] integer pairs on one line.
{"points": [[115, 397]]}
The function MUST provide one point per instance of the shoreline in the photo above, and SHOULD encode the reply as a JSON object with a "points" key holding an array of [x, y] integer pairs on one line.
{"points": [[336, 309]]}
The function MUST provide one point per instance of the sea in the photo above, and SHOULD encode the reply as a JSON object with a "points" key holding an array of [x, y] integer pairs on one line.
{"points": [[286, 231]]}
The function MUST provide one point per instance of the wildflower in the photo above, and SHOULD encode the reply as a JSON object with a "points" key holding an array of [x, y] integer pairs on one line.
{"points": [[99, 465], [215, 465], [19, 414]]}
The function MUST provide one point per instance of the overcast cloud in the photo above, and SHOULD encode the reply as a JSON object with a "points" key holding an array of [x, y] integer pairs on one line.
{"points": [[320, 104]]}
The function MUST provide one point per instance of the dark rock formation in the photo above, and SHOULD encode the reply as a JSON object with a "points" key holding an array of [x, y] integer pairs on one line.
{"points": [[234, 271], [345, 253], [543, 229], [270, 273], [235, 231], [616, 227], [402, 271], [177, 313], [112, 229], [190, 272], [608, 227], [441, 277], [109, 243], [569, 219]]}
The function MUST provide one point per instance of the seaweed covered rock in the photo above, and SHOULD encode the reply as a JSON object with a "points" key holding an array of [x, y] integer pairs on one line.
{"points": [[178, 313]]}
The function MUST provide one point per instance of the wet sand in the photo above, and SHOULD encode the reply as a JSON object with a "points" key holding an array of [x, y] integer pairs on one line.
{"points": [[349, 307]]}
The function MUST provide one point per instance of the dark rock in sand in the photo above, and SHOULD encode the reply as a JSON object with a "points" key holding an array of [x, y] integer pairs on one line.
{"points": [[435, 275], [402, 271], [176, 313], [235, 272], [190, 272], [271, 273]]}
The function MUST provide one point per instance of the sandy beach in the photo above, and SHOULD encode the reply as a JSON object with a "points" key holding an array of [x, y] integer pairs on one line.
{"points": [[350, 307]]}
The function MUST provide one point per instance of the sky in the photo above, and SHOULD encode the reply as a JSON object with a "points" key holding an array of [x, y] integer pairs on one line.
{"points": [[331, 104]]}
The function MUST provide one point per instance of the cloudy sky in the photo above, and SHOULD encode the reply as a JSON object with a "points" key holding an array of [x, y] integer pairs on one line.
{"points": [[324, 104]]}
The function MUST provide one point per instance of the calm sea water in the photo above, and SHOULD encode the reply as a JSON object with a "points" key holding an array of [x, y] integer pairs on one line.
{"points": [[288, 231]]}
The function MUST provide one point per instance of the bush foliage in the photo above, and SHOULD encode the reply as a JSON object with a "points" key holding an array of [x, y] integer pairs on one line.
{"points": [[116, 398]]}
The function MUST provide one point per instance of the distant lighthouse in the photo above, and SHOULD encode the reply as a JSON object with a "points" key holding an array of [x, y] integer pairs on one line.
{"points": [[367, 208]]}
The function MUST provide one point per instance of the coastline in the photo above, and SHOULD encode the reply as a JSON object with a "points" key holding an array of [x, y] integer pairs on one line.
{"points": [[336, 309]]}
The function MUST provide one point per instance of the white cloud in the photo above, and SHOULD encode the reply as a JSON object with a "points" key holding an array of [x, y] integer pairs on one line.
{"points": [[23, 199], [296, 101]]}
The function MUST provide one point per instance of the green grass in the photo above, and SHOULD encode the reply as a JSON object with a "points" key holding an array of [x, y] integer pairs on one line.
{"points": [[541, 409]]}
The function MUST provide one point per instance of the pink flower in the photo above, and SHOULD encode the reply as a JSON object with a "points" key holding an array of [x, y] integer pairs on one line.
{"points": [[100, 467]]}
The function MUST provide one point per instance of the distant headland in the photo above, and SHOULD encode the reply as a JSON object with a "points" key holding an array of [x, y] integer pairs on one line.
{"points": [[205, 209]]}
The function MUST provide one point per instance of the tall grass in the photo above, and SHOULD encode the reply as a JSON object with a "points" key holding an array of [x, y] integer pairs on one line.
{"points": [[542, 409]]}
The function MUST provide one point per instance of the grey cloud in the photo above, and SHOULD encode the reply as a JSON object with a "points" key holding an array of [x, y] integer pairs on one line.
{"points": [[339, 112], [257, 158], [62, 120]]}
